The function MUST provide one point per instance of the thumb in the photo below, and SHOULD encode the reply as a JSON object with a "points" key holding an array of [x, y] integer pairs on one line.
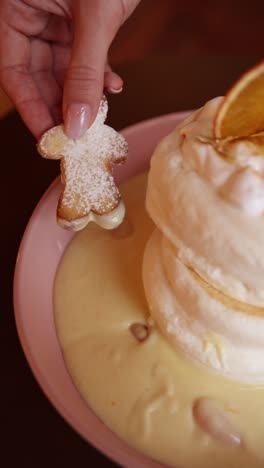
{"points": [[96, 22]]}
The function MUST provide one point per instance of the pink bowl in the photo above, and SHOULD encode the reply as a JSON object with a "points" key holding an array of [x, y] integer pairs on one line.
{"points": [[41, 249]]}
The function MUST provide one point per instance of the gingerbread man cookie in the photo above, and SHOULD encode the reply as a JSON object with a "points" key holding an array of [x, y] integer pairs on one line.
{"points": [[88, 192]]}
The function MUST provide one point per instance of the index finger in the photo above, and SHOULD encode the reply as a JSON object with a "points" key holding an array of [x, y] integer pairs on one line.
{"points": [[18, 83]]}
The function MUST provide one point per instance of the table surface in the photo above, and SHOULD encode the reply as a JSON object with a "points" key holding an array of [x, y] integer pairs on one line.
{"points": [[35, 435]]}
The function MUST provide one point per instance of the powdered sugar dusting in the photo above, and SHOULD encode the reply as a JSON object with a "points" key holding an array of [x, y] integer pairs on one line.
{"points": [[87, 164], [94, 187]]}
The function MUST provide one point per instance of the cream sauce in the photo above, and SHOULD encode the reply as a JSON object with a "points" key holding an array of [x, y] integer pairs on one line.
{"points": [[144, 390]]}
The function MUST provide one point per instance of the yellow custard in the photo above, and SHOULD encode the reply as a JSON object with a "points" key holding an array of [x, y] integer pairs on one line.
{"points": [[145, 391]]}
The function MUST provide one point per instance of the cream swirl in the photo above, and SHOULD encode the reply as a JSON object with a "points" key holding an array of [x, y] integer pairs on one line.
{"points": [[203, 270], [220, 241], [234, 167], [212, 330]]}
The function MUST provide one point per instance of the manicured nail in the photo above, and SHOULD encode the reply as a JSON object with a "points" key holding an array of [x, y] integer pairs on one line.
{"points": [[78, 117], [115, 90]]}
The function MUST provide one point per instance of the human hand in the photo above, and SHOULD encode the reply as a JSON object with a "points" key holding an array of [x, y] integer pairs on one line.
{"points": [[53, 59]]}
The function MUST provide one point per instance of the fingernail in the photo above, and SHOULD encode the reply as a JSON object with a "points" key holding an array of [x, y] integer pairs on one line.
{"points": [[115, 90], [78, 117]]}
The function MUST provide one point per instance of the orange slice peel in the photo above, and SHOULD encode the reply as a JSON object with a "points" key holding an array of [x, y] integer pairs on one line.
{"points": [[241, 113]]}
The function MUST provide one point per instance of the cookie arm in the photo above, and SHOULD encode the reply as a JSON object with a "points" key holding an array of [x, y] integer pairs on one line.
{"points": [[52, 143], [118, 147]]}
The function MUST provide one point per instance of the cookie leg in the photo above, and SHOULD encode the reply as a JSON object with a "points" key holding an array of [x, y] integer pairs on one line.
{"points": [[106, 221]]}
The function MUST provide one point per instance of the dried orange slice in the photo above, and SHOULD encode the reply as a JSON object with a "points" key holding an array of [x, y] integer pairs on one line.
{"points": [[241, 113]]}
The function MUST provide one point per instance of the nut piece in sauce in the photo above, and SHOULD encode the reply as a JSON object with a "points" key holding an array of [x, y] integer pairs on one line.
{"points": [[215, 421], [140, 331]]}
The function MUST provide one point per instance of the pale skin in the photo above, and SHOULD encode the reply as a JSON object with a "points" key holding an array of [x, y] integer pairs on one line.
{"points": [[53, 59]]}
